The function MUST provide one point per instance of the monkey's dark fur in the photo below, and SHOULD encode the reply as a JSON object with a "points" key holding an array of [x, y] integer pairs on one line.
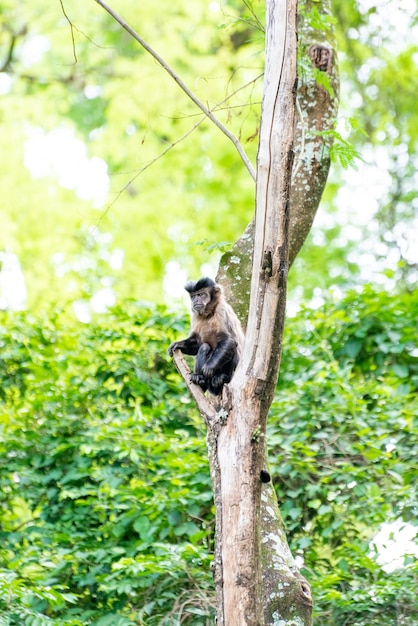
{"points": [[216, 337]]}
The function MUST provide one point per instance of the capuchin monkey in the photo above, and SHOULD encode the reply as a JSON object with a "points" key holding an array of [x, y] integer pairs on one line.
{"points": [[216, 337]]}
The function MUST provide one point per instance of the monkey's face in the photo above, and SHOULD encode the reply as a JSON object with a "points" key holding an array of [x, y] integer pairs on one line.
{"points": [[200, 299]]}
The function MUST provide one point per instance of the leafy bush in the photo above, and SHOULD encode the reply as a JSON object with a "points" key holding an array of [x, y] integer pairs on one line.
{"points": [[344, 438], [107, 514], [104, 477]]}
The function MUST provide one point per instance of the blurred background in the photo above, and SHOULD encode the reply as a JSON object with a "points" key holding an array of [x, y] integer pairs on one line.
{"points": [[104, 195]]}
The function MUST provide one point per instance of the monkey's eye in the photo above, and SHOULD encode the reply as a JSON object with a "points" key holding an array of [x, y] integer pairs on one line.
{"points": [[199, 297], [199, 301]]}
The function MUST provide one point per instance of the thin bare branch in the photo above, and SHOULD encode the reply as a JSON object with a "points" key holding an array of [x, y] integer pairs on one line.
{"points": [[181, 84], [257, 22], [140, 171], [6, 65], [9, 55], [71, 29], [164, 152]]}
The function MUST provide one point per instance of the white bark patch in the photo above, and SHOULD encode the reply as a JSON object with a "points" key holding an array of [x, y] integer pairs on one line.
{"points": [[281, 622]]}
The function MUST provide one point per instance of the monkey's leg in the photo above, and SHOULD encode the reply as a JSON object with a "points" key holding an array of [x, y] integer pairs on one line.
{"points": [[217, 382], [223, 375], [219, 359], [198, 377]]}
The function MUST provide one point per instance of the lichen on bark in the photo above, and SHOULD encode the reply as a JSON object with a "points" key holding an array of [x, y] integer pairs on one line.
{"points": [[317, 98], [291, 598]]}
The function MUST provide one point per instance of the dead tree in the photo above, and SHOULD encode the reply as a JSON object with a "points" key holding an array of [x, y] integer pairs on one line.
{"points": [[256, 579]]}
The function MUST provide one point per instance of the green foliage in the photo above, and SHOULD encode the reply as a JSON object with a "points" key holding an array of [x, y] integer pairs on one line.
{"points": [[90, 79], [104, 479], [106, 91], [341, 151], [344, 433], [106, 515], [106, 512]]}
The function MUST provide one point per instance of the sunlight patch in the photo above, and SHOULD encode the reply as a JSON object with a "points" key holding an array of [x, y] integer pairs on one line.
{"points": [[60, 155]]}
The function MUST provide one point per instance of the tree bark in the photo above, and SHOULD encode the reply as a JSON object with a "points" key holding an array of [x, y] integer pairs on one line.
{"points": [[317, 97], [257, 582]]}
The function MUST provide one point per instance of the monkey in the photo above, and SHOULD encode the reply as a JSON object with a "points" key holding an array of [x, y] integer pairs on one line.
{"points": [[216, 337]]}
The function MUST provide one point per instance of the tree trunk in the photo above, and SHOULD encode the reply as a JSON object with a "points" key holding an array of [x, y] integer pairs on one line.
{"points": [[256, 580], [317, 98]]}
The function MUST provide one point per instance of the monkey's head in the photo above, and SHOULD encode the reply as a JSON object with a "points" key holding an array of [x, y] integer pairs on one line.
{"points": [[203, 292]]}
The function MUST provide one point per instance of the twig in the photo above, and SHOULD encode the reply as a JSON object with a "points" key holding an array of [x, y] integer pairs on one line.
{"points": [[9, 56], [14, 36], [253, 13], [161, 154], [71, 29], [182, 85], [139, 172]]}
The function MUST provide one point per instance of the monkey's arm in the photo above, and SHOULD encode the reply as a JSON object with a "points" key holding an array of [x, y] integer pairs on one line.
{"points": [[187, 346]]}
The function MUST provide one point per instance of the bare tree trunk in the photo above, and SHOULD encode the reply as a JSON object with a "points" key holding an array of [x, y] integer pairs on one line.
{"points": [[317, 97], [256, 580]]}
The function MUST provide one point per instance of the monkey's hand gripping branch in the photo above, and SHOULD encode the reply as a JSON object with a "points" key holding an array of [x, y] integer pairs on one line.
{"points": [[206, 406]]}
